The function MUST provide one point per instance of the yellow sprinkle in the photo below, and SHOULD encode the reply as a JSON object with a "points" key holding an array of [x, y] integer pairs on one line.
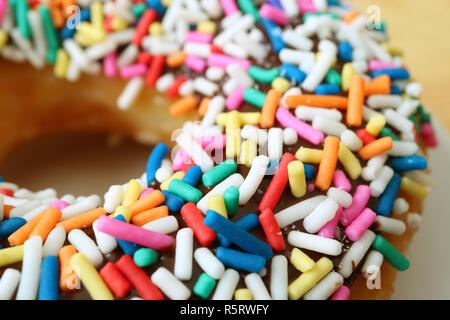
{"points": [[88, 35], [176, 175], [243, 294], [166, 3], [301, 261], [61, 63], [413, 188], [216, 203], [350, 163], [251, 118], [131, 193], [393, 51], [233, 132], [3, 38], [11, 255], [333, 63], [118, 24], [281, 84], [308, 155], [375, 124], [124, 211], [207, 27], [249, 151], [155, 29], [309, 279], [97, 19], [297, 181], [90, 278], [347, 72]]}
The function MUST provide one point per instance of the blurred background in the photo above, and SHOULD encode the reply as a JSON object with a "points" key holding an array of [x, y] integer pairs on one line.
{"points": [[418, 27]]}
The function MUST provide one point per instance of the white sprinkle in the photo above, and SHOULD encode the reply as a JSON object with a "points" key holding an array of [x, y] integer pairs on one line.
{"points": [[84, 244], [256, 286], [315, 243], [279, 278], [54, 242], [227, 285], [31, 267], [163, 225], [130, 93], [298, 211], [8, 283], [209, 263], [183, 254], [355, 254], [253, 179], [172, 287]]}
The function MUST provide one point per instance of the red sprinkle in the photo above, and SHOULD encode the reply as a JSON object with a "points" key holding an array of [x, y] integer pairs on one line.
{"points": [[144, 57], [155, 70], [7, 192], [365, 136], [187, 166], [172, 93], [216, 49], [146, 20], [272, 230], [139, 279], [277, 185], [115, 280], [194, 219]]}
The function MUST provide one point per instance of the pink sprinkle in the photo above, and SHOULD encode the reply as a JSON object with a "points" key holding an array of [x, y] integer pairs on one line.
{"points": [[359, 201], [310, 187], [133, 70], [306, 6], [341, 294], [303, 129], [340, 181], [195, 63], [222, 61], [355, 230], [428, 135], [235, 99], [274, 14], [194, 36], [145, 192], [3, 4], [229, 7], [328, 230], [132, 233], [109, 65], [375, 65], [207, 143], [59, 204]]}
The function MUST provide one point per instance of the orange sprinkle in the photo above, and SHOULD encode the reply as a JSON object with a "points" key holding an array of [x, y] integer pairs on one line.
{"points": [[83, 220], [204, 106], [328, 162], [355, 101], [150, 215], [378, 85], [65, 6], [48, 221], [184, 105], [311, 100], [153, 199], [23, 233], [269, 108], [375, 147], [6, 210], [68, 279], [56, 12], [176, 59], [351, 16]]}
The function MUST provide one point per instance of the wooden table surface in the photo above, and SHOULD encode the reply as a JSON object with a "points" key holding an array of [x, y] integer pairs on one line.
{"points": [[420, 29]]}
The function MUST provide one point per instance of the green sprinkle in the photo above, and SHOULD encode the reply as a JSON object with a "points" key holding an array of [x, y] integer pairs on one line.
{"points": [[425, 117], [333, 77], [308, 15], [247, 6], [231, 198], [254, 97], [390, 253], [263, 75], [219, 173], [185, 191], [145, 257], [138, 9], [204, 286], [22, 8], [13, 6], [50, 34], [386, 132], [416, 123]]}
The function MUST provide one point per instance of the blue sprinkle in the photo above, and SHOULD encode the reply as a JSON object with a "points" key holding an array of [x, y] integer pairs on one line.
{"points": [[395, 89], [387, 198], [128, 247], [193, 175], [272, 167], [49, 279], [292, 73], [9, 226], [394, 74], [274, 33], [240, 260], [345, 51], [276, 4], [85, 14], [327, 89], [1, 179], [154, 161], [408, 163], [173, 202], [249, 222], [68, 31], [157, 6], [236, 235], [309, 171]]}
